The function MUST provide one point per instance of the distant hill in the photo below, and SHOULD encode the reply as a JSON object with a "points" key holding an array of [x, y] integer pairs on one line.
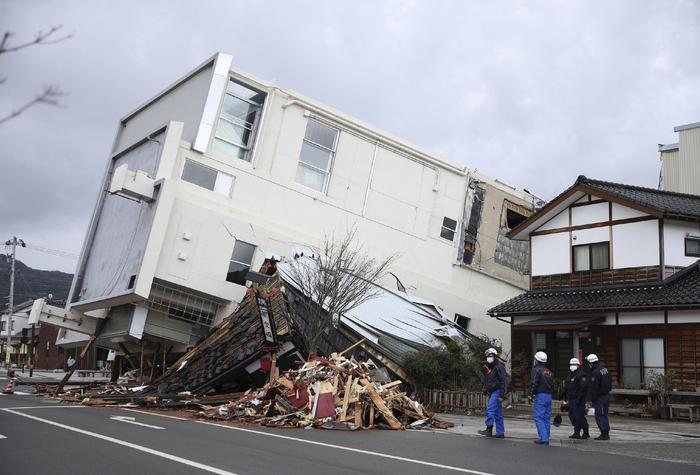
{"points": [[32, 283]]}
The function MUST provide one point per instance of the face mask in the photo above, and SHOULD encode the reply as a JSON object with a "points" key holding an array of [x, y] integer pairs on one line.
{"points": [[573, 368], [490, 359]]}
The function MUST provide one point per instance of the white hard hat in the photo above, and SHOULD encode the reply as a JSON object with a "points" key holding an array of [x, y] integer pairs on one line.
{"points": [[491, 351], [541, 356], [592, 358], [574, 361]]}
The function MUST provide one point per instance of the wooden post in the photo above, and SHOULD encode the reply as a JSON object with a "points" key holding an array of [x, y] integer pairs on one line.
{"points": [[71, 370], [153, 365]]}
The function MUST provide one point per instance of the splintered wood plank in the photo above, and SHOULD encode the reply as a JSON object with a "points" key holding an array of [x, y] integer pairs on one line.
{"points": [[390, 385], [379, 402], [358, 415], [346, 399], [371, 416]]}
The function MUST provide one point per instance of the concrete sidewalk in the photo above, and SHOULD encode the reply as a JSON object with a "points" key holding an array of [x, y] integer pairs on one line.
{"points": [[647, 438]]}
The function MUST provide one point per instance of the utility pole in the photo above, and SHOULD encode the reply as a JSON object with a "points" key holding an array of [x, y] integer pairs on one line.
{"points": [[14, 242]]}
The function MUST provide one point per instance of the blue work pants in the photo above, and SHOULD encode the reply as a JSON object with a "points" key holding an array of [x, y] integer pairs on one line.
{"points": [[494, 412], [541, 415]]}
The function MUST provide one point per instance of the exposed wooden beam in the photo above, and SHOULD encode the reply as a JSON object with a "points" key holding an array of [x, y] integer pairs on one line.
{"points": [[592, 225]]}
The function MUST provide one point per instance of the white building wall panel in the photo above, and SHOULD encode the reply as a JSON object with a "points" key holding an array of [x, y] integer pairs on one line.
{"points": [[184, 104], [674, 242], [684, 316], [589, 214], [640, 318], [559, 221], [587, 236], [624, 212], [636, 244], [550, 254], [688, 174]]}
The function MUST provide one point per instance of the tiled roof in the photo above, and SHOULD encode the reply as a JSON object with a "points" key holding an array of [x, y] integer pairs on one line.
{"points": [[671, 204], [679, 290]]}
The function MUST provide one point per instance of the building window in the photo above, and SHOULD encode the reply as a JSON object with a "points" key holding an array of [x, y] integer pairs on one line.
{"points": [[316, 157], [592, 256], [449, 228], [692, 246], [641, 357], [241, 260], [238, 121], [209, 178], [462, 321]]}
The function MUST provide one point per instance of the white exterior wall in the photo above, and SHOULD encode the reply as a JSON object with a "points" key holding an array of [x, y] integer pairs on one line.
{"points": [[589, 214], [640, 318], [684, 316], [551, 254], [674, 242], [635, 244], [681, 168]]}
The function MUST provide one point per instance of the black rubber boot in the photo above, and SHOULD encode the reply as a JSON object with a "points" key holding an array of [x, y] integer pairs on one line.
{"points": [[488, 432], [575, 435], [603, 436], [585, 434]]}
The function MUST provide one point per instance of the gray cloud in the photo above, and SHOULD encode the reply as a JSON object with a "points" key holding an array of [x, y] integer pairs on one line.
{"points": [[533, 93]]}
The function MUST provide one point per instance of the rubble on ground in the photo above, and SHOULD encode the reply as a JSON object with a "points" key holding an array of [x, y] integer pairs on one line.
{"points": [[329, 393]]}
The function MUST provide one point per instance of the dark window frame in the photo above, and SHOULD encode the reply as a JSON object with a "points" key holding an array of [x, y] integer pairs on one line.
{"points": [[590, 257], [642, 367], [445, 229], [689, 239], [239, 277]]}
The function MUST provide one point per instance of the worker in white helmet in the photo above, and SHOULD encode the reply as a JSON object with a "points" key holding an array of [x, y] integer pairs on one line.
{"points": [[574, 393], [541, 386], [496, 390], [599, 390]]}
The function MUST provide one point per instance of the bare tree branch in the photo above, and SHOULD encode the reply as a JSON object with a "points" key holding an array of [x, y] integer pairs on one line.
{"points": [[339, 278], [41, 38], [49, 96]]}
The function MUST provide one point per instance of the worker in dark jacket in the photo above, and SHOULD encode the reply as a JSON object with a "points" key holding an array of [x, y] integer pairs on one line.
{"points": [[599, 390], [496, 390], [541, 385], [575, 393]]}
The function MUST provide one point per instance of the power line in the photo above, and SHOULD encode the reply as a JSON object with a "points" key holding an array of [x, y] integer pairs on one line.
{"points": [[54, 252]]}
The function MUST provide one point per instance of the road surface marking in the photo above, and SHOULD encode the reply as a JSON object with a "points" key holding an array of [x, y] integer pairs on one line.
{"points": [[155, 414], [2, 437], [157, 453], [131, 420], [45, 407], [350, 449], [16, 393]]}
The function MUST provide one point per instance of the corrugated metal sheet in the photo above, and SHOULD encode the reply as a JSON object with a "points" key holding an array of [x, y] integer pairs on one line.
{"points": [[681, 169]]}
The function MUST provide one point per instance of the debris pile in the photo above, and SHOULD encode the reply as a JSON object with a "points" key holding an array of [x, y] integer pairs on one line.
{"points": [[329, 393]]}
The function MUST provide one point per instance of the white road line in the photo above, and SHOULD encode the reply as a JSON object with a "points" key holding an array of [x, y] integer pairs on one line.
{"points": [[45, 407], [351, 449], [2, 437], [131, 420], [154, 414], [157, 453]]}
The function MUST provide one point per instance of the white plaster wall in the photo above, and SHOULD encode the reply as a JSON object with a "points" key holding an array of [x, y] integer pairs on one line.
{"points": [[550, 254], [636, 244], [640, 318], [559, 221], [185, 104], [623, 212], [684, 316], [587, 236], [595, 213], [674, 242]]}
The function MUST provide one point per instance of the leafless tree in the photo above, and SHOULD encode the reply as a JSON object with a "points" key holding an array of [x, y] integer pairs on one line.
{"points": [[51, 93], [338, 278]]}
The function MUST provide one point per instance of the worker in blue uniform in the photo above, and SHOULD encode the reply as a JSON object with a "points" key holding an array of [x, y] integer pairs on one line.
{"points": [[496, 390], [599, 390], [541, 386], [575, 393]]}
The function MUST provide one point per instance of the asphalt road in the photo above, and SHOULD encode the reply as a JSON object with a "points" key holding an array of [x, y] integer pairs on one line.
{"points": [[39, 435]]}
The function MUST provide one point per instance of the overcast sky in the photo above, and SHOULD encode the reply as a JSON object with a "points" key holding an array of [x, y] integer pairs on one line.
{"points": [[532, 93]]}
